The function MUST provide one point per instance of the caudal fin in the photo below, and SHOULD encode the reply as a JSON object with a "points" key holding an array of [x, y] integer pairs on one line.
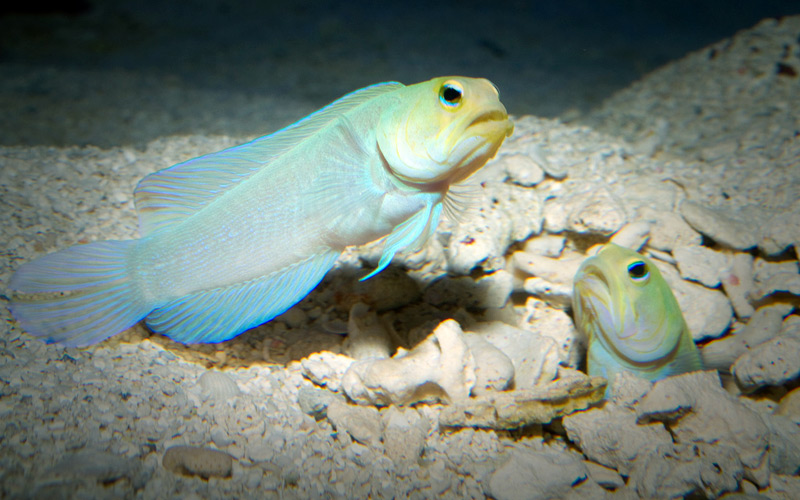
{"points": [[78, 296]]}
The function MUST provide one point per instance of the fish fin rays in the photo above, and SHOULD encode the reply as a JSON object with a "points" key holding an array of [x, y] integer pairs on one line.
{"points": [[78, 296], [171, 195], [346, 172], [461, 201], [409, 236], [220, 314]]}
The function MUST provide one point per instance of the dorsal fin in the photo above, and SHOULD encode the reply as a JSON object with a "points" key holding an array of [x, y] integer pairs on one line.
{"points": [[175, 193]]}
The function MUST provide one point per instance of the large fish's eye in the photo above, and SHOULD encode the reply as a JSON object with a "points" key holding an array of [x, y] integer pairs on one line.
{"points": [[638, 271], [450, 95]]}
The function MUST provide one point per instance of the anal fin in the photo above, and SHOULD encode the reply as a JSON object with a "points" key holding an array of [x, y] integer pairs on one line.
{"points": [[220, 314]]}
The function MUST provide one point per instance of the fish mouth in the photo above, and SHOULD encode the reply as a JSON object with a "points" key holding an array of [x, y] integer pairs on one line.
{"points": [[492, 125], [483, 136], [594, 280], [494, 115]]}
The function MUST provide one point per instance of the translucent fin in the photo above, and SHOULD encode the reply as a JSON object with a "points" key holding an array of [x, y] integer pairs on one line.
{"points": [[78, 296], [175, 193], [462, 200], [223, 313], [410, 235]]}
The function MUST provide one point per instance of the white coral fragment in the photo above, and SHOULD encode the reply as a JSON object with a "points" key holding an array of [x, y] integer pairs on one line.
{"points": [[439, 368]]}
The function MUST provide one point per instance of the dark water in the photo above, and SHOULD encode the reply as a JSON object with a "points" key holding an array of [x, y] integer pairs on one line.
{"points": [[107, 72]]}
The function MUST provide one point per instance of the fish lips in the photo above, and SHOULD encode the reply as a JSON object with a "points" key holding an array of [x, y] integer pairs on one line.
{"points": [[479, 143]]}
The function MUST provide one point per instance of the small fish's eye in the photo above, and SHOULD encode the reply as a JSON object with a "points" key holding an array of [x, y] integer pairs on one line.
{"points": [[450, 94], [638, 271]]}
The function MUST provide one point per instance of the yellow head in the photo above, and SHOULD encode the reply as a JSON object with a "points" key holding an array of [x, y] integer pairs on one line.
{"points": [[442, 130], [622, 302]]}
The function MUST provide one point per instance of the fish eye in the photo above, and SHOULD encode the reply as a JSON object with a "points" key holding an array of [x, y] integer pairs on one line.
{"points": [[450, 94], [638, 271]]}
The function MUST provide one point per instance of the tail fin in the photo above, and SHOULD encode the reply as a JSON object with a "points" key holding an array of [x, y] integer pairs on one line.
{"points": [[78, 296]]}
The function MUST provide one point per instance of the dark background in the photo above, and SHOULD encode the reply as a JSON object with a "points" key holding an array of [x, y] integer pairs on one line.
{"points": [[107, 73]]}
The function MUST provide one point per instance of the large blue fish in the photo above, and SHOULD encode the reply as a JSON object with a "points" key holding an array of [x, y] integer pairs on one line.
{"points": [[232, 239]]}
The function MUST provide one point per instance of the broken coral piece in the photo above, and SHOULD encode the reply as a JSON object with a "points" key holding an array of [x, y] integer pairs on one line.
{"points": [[440, 368]]}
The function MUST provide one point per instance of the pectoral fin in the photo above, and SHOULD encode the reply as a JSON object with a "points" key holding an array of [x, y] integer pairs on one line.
{"points": [[410, 235]]}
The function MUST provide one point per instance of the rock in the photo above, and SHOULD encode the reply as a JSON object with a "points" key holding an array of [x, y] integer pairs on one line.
{"points": [[556, 294], [706, 413], [547, 245], [773, 362], [217, 386], [553, 324], [606, 477], [439, 368], [598, 212], [523, 170], [784, 445], [669, 231], [362, 423], [494, 372], [707, 312], [779, 232], [506, 214], [403, 435], [315, 401], [494, 289], [766, 269], [555, 270], [612, 436], [701, 264], [763, 326], [633, 235], [782, 282], [737, 281], [518, 408], [197, 461], [367, 336], [220, 436], [789, 406], [627, 389], [681, 470], [783, 487], [533, 358], [326, 368], [555, 214], [720, 227], [532, 475]]}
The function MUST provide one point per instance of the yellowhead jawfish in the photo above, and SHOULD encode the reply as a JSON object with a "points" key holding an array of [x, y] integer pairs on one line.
{"points": [[630, 317], [234, 238]]}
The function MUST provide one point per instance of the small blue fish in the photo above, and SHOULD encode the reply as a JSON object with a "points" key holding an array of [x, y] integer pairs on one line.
{"points": [[631, 318], [232, 239]]}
